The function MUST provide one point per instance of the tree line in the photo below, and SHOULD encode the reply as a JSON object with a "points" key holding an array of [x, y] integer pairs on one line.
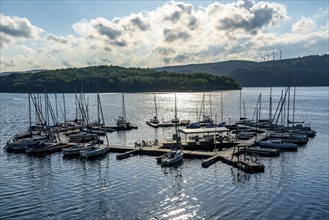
{"points": [[112, 79]]}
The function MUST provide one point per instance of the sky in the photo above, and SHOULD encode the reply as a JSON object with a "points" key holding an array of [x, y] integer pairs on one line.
{"points": [[64, 34]]}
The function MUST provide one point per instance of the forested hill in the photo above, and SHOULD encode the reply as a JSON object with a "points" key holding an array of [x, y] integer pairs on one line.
{"points": [[112, 79], [305, 71], [219, 68]]}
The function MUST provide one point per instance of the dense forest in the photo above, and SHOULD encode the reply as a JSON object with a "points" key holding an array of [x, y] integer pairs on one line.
{"points": [[304, 71], [112, 79], [219, 68]]}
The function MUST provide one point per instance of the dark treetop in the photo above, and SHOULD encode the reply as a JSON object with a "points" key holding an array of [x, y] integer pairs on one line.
{"points": [[112, 79]]}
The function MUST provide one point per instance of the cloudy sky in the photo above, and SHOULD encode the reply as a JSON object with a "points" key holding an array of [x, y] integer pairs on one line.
{"points": [[61, 34]]}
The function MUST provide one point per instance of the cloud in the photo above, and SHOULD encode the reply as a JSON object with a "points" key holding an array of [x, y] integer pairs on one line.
{"points": [[109, 32], [138, 22], [173, 35], [67, 64], [248, 15], [181, 58], [18, 27], [304, 25], [105, 60], [5, 40], [12, 28], [163, 51], [7, 63], [57, 39]]}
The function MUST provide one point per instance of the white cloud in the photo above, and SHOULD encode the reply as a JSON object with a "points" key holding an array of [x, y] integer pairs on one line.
{"points": [[175, 33], [13, 28], [304, 25], [57, 39]]}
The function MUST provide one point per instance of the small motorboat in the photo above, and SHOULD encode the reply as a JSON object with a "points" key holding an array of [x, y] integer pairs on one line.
{"points": [[172, 157]]}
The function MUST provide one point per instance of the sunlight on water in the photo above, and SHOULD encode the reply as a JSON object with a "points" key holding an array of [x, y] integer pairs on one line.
{"points": [[293, 186]]}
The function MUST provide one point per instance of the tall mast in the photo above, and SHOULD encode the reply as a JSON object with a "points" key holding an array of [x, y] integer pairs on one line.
{"points": [[260, 105], [175, 108], [155, 106], [30, 119], [56, 106], [270, 109], [210, 106], [76, 101], [293, 107], [64, 108], [221, 105], [244, 110], [240, 104], [123, 107], [288, 101], [98, 118]]}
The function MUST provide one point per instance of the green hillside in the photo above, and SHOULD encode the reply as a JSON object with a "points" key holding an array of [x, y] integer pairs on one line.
{"points": [[305, 71], [219, 68], [112, 79]]}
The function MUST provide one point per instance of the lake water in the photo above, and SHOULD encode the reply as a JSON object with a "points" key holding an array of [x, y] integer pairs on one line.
{"points": [[293, 186]]}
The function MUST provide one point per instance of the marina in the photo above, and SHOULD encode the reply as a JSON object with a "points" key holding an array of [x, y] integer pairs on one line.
{"points": [[214, 155], [240, 145]]}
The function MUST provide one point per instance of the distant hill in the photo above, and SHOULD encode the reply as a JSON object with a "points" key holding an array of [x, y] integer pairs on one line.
{"points": [[219, 68], [21, 72], [305, 71], [112, 79]]}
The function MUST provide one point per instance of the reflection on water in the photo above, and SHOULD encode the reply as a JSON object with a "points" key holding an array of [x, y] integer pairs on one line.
{"points": [[239, 177], [53, 187]]}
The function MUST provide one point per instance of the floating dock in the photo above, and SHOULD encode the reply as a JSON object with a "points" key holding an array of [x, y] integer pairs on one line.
{"points": [[227, 156], [168, 124]]}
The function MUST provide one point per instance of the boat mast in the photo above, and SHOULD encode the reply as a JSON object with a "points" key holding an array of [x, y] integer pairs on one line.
{"points": [[210, 106], [56, 107], [288, 100], [175, 111], [64, 108], [270, 110], [30, 119], [202, 105], [244, 110], [293, 107], [123, 107], [101, 110], [221, 105], [260, 105], [98, 118], [155, 106], [76, 102], [240, 104]]}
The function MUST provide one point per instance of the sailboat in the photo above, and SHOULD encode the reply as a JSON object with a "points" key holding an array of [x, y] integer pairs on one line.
{"points": [[176, 153], [206, 119], [154, 121], [96, 149], [175, 120], [34, 135], [122, 123]]}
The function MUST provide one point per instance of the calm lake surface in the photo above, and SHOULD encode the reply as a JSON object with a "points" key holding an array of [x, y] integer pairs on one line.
{"points": [[293, 186]]}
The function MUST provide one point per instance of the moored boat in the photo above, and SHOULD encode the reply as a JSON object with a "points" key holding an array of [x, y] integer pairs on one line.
{"points": [[277, 144], [75, 149], [172, 158], [94, 151]]}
